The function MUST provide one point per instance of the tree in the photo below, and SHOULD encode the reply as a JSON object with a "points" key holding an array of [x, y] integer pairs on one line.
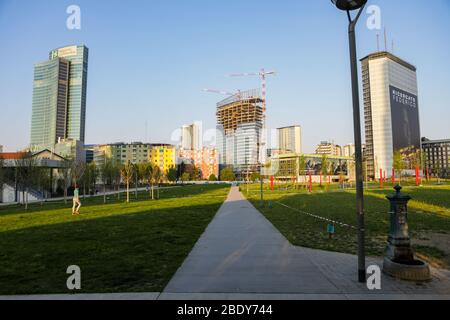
{"points": [[147, 174], [67, 176], [115, 177], [325, 166], [2, 175], [255, 176], [127, 172], [160, 179], [195, 173], [399, 164], [302, 167], [105, 171], [212, 178], [26, 175], [172, 174], [227, 174], [78, 170], [155, 179], [42, 182], [181, 169], [185, 177], [90, 178]]}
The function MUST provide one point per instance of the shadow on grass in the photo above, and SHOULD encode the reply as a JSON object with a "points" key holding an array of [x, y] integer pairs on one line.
{"points": [[143, 196], [303, 230], [133, 252]]}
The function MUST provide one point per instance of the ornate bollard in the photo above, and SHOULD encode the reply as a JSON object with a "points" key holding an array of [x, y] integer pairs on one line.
{"points": [[399, 261]]}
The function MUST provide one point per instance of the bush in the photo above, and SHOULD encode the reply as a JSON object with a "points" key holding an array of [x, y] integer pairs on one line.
{"points": [[227, 174]]}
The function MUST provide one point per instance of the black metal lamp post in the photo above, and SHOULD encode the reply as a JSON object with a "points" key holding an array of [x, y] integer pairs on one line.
{"points": [[350, 5]]}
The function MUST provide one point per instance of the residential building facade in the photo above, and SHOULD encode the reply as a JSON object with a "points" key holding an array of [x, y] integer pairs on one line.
{"points": [[191, 137], [329, 148], [163, 156], [436, 154], [290, 139], [206, 159], [348, 150]]}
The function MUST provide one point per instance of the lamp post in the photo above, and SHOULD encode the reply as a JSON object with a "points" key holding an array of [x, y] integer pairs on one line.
{"points": [[350, 5]]}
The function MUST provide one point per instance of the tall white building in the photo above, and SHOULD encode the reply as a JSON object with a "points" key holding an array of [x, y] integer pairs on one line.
{"points": [[348, 150], [391, 111], [290, 139], [239, 131], [191, 136]]}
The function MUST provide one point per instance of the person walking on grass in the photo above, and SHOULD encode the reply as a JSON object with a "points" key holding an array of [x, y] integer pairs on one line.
{"points": [[76, 201]]}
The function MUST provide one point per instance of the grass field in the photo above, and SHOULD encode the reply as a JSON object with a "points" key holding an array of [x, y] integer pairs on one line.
{"points": [[134, 247], [429, 218]]}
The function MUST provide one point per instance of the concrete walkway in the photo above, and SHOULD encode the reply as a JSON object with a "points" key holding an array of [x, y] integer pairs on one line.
{"points": [[242, 252]]}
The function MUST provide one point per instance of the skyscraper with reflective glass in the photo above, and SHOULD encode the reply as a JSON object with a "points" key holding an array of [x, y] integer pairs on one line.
{"points": [[59, 97], [76, 104], [50, 92]]}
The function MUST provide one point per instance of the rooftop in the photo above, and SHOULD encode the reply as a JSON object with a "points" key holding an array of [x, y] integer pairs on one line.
{"points": [[385, 54]]}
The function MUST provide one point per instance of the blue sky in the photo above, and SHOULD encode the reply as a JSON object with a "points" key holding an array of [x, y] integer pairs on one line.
{"points": [[150, 60]]}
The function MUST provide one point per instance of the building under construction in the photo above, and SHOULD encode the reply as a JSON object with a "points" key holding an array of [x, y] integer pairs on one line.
{"points": [[240, 121]]}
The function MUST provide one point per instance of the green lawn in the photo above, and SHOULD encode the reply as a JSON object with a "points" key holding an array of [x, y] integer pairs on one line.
{"points": [[429, 215], [119, 247]]}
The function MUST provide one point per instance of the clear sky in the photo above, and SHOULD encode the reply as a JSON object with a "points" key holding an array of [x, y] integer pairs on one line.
{"points": [[149, 61]]}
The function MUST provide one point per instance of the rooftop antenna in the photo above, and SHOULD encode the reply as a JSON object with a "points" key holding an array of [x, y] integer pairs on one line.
{"points": [[385, 39], [378, 42], [393, 43]]}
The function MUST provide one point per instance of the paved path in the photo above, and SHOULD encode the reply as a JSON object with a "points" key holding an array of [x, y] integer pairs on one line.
{"points": [[242, 252]]}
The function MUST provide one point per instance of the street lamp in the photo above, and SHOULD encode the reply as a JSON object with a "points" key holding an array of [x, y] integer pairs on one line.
{"points": [[350, 5]]}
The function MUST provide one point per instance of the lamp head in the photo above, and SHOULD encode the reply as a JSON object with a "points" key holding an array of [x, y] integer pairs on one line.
{"points": [[348, 5]]}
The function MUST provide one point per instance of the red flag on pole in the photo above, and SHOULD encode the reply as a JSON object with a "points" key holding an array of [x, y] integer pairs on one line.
{"points": [[381, 178], [417, 176], [271, 183]]}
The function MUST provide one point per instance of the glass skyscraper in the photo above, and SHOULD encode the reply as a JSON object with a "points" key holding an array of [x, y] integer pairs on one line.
{"points": [[50, 92], [76, 105], [59, 97]]}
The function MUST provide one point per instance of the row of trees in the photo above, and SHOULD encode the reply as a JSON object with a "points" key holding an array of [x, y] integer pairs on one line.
{"points": [[30, 177], [114, 175]]}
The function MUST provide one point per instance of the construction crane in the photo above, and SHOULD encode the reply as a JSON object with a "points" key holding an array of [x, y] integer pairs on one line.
{"points": [[238, 93], [263, 75]]}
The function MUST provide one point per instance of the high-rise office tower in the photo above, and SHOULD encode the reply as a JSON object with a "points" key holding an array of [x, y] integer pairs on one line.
{"points": [[190, 136], [59, 97], [391, 112], [50, 93], [239, 131], [76, 104], [290, 139]]}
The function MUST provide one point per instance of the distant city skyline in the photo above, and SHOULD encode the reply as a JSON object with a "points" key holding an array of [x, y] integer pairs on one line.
{"points": [[149, 62]]}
